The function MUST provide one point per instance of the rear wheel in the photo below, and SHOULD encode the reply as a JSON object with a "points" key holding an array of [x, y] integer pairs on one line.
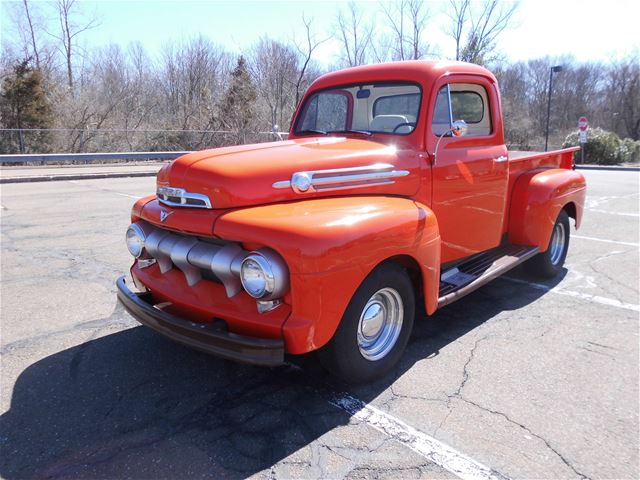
{"points": [[549, 264], [374, 329]]}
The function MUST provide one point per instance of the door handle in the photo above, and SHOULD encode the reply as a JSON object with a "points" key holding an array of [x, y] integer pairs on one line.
{"points": [[501, 158]]}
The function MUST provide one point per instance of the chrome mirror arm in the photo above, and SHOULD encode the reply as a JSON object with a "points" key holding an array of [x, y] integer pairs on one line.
{"points": [[458, 129]]}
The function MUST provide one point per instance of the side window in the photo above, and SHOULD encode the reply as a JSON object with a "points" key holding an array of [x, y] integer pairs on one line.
{"points": [[467, 106], [326, 111], [469, 102]]}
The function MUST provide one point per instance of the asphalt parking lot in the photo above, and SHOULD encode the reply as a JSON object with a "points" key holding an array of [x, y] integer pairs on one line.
{"points": [[528, 379]]}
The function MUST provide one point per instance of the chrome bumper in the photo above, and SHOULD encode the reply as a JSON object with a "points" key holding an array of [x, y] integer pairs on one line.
{"points": [[257, 351]]}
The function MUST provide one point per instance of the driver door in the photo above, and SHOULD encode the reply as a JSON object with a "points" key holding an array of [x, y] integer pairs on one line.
{"points": [[470, 173]]}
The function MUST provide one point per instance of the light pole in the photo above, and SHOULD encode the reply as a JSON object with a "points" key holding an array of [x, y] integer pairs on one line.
{"points": [[554, 69]]}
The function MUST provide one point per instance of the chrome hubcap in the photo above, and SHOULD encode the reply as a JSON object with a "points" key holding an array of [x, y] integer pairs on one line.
{"points": [[380, 324], [556, 247]]}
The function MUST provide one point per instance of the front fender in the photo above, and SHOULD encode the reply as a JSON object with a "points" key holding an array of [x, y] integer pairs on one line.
{"points": [[330, 246], [538, 196]]}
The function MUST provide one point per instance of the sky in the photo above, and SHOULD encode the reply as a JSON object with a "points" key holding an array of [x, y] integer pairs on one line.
{"points": [[590, 30]]}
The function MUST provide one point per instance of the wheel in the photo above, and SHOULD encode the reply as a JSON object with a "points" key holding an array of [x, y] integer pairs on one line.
{"points": [[548, 264], [374, 329]]}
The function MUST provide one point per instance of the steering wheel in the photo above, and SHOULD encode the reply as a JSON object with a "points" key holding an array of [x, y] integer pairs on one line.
{"points": [[405, 124]]}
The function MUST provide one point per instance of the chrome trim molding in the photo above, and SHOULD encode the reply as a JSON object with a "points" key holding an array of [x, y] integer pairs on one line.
{"points": [[341, 178], [265, 306], [179, 197]]}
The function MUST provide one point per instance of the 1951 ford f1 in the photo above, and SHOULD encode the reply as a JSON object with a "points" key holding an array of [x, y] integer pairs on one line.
{"points": [[394, 187]]}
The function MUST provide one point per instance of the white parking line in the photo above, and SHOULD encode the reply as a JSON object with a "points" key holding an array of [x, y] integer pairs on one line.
{"points": [[77, 182], [127, 195], [622, 214], [617, 242], [584, 296], [433, 450]]}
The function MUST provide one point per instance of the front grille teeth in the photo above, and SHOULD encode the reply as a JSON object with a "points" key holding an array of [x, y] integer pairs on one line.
{"points": [[192, 256]]}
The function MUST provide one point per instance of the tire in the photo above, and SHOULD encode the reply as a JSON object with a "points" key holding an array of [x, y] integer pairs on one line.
{"points": [[549, 263], [360, 350]]}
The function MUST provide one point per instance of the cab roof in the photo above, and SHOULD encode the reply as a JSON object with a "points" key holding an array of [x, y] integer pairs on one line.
{"points": [[420, 71]]}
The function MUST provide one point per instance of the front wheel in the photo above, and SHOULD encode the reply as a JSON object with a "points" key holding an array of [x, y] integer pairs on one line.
{"points": [[548, 264], [374, 329]]}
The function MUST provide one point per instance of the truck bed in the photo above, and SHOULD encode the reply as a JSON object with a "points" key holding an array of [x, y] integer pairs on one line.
{"points": [[520, 161]]}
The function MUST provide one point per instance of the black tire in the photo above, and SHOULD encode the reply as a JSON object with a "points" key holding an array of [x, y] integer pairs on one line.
{"points": [[549, 263], [343, 356]]}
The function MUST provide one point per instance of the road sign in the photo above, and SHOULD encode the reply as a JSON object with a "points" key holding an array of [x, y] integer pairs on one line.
{"points": [[583, 124], [583, 136]]}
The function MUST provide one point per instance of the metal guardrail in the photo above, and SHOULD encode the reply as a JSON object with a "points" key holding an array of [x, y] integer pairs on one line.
{"points": [[88, 157], [33, 140]]}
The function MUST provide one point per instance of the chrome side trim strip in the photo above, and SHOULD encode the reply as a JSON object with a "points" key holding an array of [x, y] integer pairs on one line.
{"points": [[342, 178], [179, 197]]}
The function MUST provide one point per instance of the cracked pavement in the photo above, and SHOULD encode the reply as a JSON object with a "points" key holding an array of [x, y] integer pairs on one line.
{"points": [[528, 382]]}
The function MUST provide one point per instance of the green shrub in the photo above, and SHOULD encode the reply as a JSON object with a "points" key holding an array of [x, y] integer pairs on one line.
{"points": [[602, 147], [629, 151]]}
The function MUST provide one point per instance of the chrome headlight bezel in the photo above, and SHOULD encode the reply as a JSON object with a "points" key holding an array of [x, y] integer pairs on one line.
{"points": [[257, 287], [140, 231], [273, 271]]}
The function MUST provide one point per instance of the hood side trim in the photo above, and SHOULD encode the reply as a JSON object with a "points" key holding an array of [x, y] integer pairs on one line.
{"points": [[341, 178]]}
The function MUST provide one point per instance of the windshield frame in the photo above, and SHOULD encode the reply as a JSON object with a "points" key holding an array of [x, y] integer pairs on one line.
{"points": [[312, 94]]}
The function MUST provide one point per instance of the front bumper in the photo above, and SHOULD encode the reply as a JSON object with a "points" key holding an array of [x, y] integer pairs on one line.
{"points": [[257, 351]]}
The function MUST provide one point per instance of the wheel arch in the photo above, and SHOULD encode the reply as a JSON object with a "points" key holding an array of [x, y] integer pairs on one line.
{"points": [[411, 265], [538, 198], [572, 211]]}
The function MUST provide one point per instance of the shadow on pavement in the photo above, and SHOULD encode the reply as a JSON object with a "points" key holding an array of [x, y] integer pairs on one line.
{"points": [[135, 405]]}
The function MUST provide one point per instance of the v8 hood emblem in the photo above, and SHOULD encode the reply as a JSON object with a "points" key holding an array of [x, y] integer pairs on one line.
{"points": [[164, 215]]}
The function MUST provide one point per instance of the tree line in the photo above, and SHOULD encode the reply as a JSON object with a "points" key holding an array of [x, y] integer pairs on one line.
{"points": [[123, 98]]}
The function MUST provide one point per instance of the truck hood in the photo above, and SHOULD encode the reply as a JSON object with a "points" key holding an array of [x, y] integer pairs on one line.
{"points": [[258, 174]]}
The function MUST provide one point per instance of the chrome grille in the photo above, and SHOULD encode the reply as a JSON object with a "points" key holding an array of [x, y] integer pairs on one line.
{"points": [[179, 197], [194, 256]]}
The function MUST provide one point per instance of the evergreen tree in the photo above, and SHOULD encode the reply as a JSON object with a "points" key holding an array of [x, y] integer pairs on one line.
{"points": [[237, 108], [24, 105]]}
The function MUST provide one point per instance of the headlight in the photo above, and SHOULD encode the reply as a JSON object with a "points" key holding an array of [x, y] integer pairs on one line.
{"points": [[135, 240], [257, 276], [264, 275]]}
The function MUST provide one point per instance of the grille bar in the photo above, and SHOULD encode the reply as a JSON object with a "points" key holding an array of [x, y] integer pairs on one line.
{"points": [[179, 197]]}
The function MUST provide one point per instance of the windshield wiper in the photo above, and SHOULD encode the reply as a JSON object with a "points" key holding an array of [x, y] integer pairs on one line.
{"points": [[361, 132], [311, 130]]}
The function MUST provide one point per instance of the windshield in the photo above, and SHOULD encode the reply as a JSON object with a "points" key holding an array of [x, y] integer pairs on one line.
{"points": [[390, 107]]}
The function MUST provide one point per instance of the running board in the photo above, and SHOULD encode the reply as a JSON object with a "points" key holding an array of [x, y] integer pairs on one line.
{"points": [[480, 269]]}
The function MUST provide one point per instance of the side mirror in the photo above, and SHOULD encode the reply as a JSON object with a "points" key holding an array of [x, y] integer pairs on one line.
{"points": [[459, 128]]}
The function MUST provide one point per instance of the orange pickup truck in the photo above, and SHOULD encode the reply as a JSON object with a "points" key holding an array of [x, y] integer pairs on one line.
{"points": [[394, 187]]}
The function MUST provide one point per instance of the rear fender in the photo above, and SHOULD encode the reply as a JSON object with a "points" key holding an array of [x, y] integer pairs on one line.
{"points": [[538, 196], [330, 246]]}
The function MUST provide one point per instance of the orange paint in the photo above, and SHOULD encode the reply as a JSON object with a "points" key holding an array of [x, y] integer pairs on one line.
{"points": [[464, 203]]}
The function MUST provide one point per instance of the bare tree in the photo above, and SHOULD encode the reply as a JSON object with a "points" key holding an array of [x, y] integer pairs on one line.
{"points": [[191, 75], [459, 17], [355, 33], [306, 52], [407, 20], [475, 27], [27, 22], [69, 31], [274, 71], [622, 93], [32, 34]]}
